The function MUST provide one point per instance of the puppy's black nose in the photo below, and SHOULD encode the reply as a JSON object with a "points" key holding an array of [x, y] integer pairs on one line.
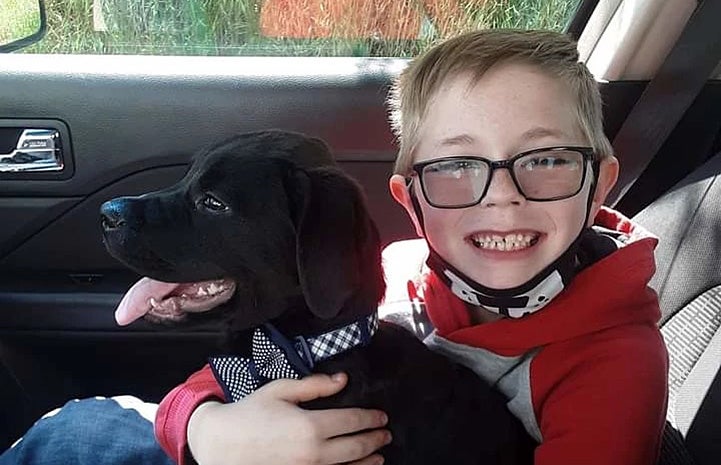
{"points": [[111, 215]]}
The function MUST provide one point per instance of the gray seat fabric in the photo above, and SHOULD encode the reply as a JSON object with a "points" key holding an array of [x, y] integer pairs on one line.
{"points": [[688, 281], [688, 221]]}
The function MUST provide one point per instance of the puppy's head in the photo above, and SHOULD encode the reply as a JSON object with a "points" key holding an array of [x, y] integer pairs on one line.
{"points": [[257, 222]]}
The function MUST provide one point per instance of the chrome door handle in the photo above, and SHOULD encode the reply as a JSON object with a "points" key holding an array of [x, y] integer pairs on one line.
{"points": [[37, 150]]}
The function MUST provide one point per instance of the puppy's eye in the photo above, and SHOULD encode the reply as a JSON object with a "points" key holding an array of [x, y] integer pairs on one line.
{"points": [[212, 204]]}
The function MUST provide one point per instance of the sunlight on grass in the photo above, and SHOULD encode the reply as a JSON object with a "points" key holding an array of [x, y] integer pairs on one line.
{"points": [[18, 19], [281, 27]]}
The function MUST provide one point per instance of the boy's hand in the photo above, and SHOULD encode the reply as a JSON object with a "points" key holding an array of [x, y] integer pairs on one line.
{"points": [[269, 428]]}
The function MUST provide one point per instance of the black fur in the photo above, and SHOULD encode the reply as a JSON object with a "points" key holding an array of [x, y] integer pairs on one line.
{"points": [[297, 238]]}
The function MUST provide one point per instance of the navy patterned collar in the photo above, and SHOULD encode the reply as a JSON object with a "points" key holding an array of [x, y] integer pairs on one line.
{"points": [[274, 356]]}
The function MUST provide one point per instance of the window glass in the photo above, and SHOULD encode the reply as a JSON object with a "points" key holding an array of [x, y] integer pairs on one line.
{"points": [[396, 28]]}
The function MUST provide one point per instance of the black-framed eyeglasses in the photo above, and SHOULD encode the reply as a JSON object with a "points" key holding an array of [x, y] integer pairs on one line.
{"points": [[542, 175]]}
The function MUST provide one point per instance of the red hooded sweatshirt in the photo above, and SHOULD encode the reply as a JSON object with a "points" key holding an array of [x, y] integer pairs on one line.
{"points": [[587, 375]]}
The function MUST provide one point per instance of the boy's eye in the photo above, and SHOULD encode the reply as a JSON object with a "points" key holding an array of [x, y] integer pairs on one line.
{"points": [[454, 168], [547, 162]]}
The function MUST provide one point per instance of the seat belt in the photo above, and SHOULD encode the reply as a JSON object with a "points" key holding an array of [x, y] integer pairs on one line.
{"points": [[668, 95]]}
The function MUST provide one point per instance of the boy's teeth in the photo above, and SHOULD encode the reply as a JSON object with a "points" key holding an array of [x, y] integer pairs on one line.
{"points": [[508, 242]]}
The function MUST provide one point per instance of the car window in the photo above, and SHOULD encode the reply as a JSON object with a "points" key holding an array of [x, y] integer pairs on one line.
{"points": [[365, 28]]}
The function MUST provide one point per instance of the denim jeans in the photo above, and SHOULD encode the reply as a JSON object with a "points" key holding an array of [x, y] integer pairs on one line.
{"points": [[97, 431]]}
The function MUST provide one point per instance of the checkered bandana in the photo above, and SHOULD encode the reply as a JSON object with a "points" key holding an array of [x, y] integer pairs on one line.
{"points": [[274, 356]]}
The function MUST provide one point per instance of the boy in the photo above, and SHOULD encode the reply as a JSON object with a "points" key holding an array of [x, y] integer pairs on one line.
{"points": [[503, 168]]}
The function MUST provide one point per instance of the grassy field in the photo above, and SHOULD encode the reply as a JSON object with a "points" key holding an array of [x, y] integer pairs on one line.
{"points": [[232, 27]]}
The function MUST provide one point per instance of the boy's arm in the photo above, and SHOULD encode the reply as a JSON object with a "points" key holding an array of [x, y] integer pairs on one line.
{"points": [[610, 405], [171, 420]]}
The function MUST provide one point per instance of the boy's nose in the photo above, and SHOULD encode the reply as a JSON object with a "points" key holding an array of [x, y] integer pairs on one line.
{"points": [[502, 190]]}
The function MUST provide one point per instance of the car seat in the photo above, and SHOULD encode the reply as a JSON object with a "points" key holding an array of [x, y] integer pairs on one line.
{"points": [[687, 220]]}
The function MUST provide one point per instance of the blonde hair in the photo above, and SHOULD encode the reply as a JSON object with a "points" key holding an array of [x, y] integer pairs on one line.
{"points": [[476, 52]]}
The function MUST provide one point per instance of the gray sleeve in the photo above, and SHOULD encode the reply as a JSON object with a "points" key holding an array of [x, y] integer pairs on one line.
{"points": [[408, 315]]}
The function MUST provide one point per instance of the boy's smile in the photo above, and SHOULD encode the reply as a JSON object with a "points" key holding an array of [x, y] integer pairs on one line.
{"points": [[505, 240]]}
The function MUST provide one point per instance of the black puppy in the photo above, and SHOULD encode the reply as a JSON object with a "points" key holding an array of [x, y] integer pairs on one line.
{"points": [[265, 225]]}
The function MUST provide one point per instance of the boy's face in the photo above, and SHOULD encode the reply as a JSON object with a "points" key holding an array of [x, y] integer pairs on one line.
{"points": [[513, 108]]}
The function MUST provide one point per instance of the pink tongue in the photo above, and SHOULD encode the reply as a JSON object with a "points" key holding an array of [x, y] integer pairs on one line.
{"points": [[136, 302]]}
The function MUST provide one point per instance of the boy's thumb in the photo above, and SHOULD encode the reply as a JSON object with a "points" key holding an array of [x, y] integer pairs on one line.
{"points": [[306, 389]]}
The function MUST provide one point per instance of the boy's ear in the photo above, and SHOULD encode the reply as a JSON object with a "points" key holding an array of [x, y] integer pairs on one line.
{"points": [[399, 191], [607, 177]]}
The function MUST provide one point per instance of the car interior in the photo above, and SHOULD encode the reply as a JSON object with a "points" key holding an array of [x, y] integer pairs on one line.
{"points": [[111, 125]]}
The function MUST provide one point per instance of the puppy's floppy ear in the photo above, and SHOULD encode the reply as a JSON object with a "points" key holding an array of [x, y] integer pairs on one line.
{"points": [[338, 250], [313, 153]]}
